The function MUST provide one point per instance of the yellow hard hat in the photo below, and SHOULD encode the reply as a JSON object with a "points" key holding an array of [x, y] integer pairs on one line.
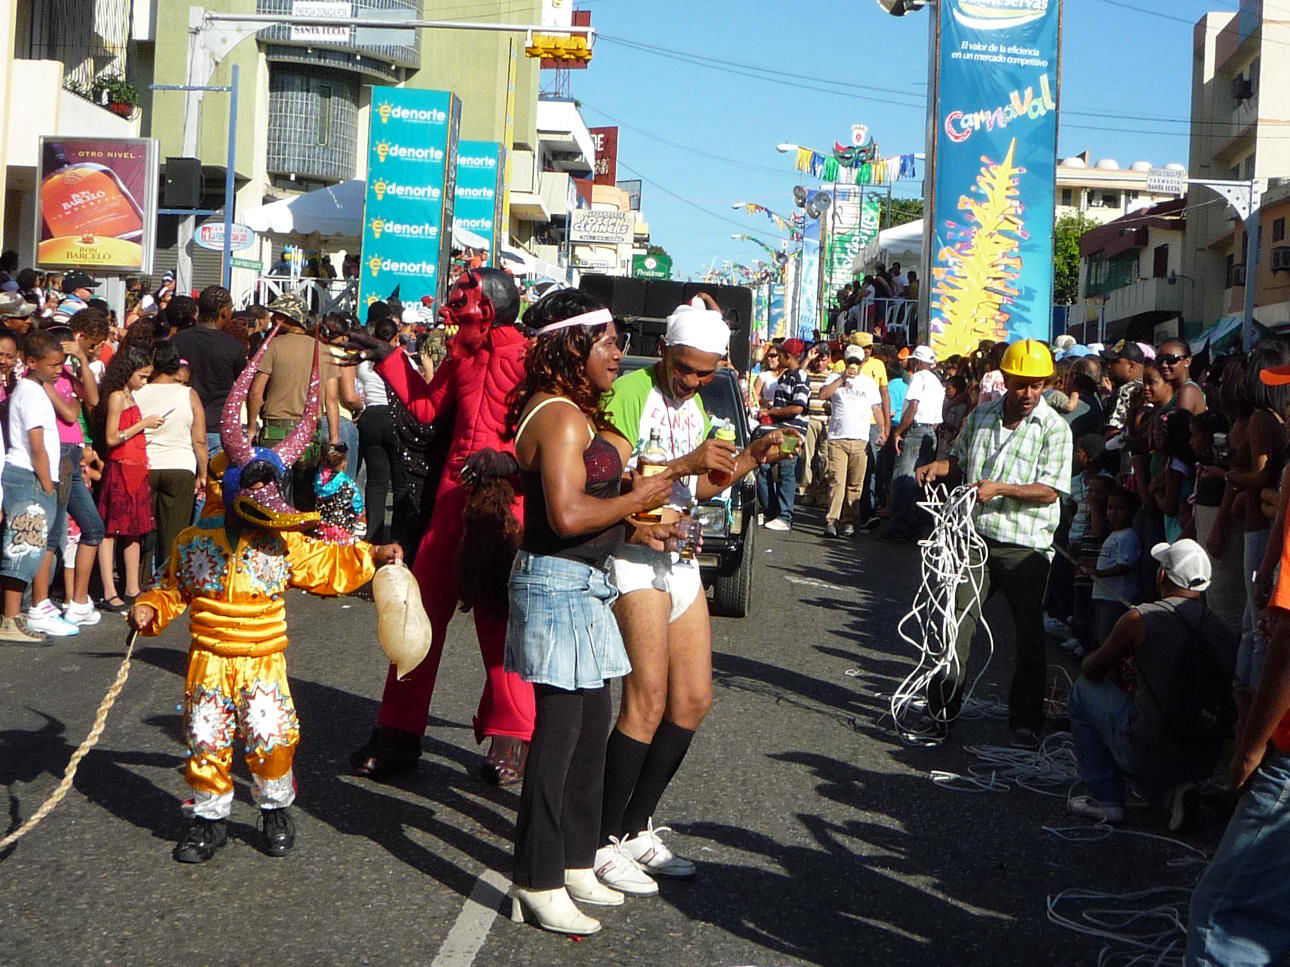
{"points": [[1029, 358]]}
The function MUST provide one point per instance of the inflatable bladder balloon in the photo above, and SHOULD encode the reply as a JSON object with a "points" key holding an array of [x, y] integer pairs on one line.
{"points": [[402, 623]]}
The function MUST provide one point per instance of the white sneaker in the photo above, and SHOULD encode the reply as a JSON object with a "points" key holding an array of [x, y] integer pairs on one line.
{"points": [[778, 524], [1092, 809], [83, 615], [615, 868], [1056, 627], [653, 856], [49, 622]]}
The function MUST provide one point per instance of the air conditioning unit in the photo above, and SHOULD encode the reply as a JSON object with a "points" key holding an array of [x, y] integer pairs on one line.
{"points": [[1238, 276], [1281, 258], [1242, 88]]}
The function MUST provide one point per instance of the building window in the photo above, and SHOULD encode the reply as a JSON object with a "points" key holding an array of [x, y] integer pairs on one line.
{"points": [[1278, 230], [1160, 261], [322, 129], [1247, 169], [1236, 173], [1110, 199], [1068, 197], [1229, 264]]}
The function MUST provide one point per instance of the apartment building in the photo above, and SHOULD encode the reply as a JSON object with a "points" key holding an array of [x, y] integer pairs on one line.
{"points": [[1102, 190], [1240, 130]]}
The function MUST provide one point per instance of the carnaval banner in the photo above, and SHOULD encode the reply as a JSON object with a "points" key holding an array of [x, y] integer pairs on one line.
{"points": [[411, 176], [995, 136], [854, 225], [477, 202]]}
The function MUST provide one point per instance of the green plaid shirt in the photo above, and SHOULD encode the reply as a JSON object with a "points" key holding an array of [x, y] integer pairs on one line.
{"points": [[1037, 451]]}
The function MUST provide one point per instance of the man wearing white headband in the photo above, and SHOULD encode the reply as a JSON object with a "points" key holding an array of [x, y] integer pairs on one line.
{"points": [[662, 611]]}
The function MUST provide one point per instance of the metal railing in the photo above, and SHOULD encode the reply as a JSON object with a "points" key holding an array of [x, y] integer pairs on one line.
{"points": [[320, 295], [894, 315]]}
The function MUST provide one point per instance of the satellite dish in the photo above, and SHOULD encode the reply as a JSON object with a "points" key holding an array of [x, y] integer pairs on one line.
{"points": [[898, 8], [799, 196]]}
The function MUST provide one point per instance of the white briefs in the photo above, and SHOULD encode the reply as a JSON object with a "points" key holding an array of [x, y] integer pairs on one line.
{"points": [[635, 567]]}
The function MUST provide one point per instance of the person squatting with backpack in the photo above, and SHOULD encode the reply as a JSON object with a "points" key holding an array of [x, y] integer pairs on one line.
{"points": [[1154, 703]]}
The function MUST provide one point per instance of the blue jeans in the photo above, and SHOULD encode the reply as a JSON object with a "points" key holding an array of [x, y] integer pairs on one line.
{"points": [[349, 437], [776, 497], [1240, 909], [80, 504], [1099, 713], [917, 449]]}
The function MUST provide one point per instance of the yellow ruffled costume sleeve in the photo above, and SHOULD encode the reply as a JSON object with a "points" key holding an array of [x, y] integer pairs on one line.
{"points": [[167, 596], [321, 567]]}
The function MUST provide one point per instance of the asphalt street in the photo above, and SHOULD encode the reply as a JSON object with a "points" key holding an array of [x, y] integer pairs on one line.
{"points": [[820, 839]]}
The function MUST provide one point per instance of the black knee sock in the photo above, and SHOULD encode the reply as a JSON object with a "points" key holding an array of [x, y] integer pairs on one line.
{"points": [[671, 742], [624, 757]]}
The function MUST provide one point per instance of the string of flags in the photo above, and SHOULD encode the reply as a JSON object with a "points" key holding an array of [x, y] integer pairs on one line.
{"points": [[793, 227], [882, 172]]}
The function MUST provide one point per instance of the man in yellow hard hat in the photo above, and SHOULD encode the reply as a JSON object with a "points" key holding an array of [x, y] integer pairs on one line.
{"points": [[1016, 451]]}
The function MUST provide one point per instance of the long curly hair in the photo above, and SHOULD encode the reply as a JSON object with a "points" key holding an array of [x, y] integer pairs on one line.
{"points": [[127, 360], [557, 362], [491, 533]]}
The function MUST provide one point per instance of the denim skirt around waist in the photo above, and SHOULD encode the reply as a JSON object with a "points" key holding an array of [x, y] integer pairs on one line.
{"points": [[561, 631]]}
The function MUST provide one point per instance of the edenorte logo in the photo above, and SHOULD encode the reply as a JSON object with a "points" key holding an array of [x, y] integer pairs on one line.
{"points": [[379, 264], [998, 14], [481, 161], [406, 192], [399, 152], [387, 112], [476, 194], [402, 229], [475, 224]]}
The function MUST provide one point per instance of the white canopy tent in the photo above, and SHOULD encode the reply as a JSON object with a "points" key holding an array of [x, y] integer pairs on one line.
{"points": [[333, 214], [903, 244]]}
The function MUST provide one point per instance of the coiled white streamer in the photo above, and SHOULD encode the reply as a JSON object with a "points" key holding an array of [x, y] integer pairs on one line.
{"points": [[954, 554]]}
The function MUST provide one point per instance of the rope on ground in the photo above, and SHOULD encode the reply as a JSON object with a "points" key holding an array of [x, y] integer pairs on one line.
{"points": [[69, 774], [1147, 928], [1050, 770], [953, 555]]}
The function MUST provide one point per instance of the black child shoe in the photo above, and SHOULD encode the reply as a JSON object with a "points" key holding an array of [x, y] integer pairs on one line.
{"points": [[279, 831], [201, 840]]}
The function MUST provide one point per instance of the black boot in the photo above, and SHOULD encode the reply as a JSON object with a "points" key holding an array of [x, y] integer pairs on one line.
{"points": [[202, 838], [279, 831], [387, 751]]}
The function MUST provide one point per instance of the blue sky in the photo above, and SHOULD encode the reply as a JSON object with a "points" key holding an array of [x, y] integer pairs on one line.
{"points": [[1123, 61]]}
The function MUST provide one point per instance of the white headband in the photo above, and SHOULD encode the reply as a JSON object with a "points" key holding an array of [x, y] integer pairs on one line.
{"points": [[596, 317], [698, 326]]}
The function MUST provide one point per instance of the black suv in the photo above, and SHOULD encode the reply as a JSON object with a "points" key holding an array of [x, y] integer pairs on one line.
{"points": [[729, 519]]}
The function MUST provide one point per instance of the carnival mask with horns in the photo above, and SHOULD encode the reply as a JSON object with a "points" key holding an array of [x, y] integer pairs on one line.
{"points": [[251, 477]]}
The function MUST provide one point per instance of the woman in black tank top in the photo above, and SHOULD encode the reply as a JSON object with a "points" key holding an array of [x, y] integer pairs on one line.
{"points": [[561, 635]]}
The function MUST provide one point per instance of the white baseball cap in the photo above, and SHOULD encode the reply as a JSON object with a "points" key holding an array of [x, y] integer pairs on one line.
{"points": [[854, 352], [924, 354], [1185, 562]]}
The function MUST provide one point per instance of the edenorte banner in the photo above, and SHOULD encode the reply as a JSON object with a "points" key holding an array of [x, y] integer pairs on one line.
{"points": [[407, 213], [996, 148], [853, 225], [478, 199]]}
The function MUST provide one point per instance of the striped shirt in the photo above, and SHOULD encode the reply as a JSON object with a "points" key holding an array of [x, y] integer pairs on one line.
{"points": [[1038, 450], [792, 390]]}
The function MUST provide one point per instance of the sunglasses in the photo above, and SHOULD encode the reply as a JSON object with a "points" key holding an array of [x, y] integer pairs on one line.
{"points": [[772, 356], [1171, 359]]}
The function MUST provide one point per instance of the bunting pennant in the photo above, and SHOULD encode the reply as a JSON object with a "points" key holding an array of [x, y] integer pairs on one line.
{"points": [[868, 168]]}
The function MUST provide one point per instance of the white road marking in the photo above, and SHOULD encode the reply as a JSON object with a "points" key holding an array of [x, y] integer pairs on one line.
{"points": [[813, 583], [470, 930]]}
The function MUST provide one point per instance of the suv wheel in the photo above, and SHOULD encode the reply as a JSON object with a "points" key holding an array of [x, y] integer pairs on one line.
{"points": [[732, 594]]}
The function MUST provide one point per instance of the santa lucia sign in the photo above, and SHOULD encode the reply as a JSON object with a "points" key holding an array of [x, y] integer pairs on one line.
{"points": [[608, 227]]}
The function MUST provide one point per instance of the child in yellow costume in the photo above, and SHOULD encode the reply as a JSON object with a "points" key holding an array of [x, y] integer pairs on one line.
{"points": [[232, 573]]}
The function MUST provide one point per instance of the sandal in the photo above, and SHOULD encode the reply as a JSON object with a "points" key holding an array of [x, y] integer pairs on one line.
{"points": [[504, 764], [122, 607]]}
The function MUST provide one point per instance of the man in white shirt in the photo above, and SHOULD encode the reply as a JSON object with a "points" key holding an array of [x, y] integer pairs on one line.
{"points": [[915, 442], [855, 404]]}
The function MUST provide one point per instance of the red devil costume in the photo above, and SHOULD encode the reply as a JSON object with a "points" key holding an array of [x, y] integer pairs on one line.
{"points": [[486, 363]]}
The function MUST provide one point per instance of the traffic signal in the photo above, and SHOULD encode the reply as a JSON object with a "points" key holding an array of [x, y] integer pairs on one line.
{"points": [[563, 49]]}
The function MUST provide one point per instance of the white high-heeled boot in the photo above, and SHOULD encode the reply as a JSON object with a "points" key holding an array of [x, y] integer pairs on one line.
{"points": [[585, 888], [551, 910]]}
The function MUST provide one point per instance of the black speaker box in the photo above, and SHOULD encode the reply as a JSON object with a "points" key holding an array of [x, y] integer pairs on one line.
{"points": [[662, 297], [182, 187], [629, 296]]}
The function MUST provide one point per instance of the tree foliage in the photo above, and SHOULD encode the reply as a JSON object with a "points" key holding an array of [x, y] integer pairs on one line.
{"points": [[902, 210], [656, 250], [1066, 235]]}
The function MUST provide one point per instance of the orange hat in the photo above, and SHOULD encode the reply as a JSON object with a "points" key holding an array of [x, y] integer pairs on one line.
{"points": [[1275, 375], [904, 353]]}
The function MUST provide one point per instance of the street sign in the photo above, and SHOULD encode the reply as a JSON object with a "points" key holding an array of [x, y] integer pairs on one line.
{"points": [[254, 264], [211, 235], [1166, 181]]}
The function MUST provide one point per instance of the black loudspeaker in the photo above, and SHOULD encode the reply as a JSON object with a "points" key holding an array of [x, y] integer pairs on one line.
{"points": [[183, 183], [662, 297], [736, 304], [629, 296], [599, 286]]}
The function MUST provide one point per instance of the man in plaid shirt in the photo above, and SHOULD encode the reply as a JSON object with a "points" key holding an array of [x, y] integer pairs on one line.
{"points": [[1016, 451]]}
